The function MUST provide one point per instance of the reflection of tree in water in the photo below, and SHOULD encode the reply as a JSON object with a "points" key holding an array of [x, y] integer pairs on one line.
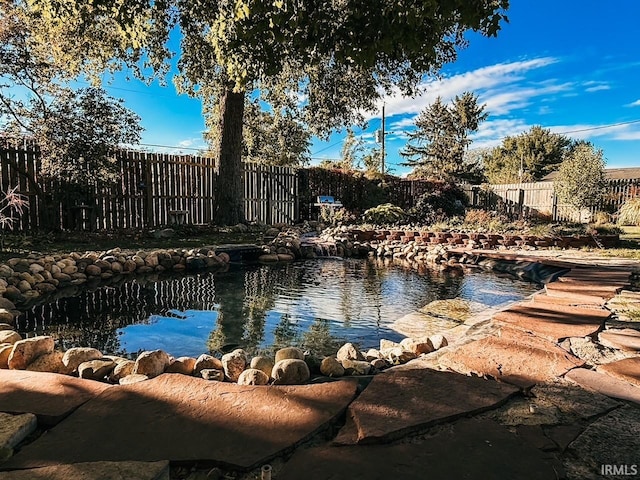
{"points": [[319, 340], [285, 333]]}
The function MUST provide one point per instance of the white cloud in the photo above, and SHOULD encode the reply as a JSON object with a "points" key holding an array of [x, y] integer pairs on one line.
{"points": [[597, 88], [634, 104], [491, 132]]}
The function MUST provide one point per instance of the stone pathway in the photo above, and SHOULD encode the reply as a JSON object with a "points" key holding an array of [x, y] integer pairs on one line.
{"points": [[516, 402]]}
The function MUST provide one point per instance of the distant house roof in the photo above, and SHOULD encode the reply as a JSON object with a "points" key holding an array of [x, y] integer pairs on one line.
{"points": [[611, 174]]}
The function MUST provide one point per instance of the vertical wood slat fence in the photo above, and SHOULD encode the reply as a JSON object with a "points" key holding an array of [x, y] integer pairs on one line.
{"points": [[538, 199]]}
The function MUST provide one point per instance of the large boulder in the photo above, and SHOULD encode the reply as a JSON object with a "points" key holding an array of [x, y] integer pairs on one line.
{"points": [[26, 351], [75, 356], [234, 364], [206, 362], [289, 353], [253, 376], [96, 369], [290, 372], [183, 365], [49, 362], [262, 363], [331, 367], [9, 336], [349, 352], [151, 363]]}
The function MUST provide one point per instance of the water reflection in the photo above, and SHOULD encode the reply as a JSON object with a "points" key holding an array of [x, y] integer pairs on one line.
{"points": [[316, 304]]}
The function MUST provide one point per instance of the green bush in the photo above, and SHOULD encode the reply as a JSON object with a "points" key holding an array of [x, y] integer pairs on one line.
{"points": [[630, 212], [442, 200], [386, 213]]}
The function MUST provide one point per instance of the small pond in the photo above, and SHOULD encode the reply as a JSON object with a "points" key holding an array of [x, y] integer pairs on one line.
{"points": [[316, 304]]}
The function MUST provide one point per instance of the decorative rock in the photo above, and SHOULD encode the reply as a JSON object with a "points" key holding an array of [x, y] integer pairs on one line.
{"points": [[9, 336], [15, 428], [5, 351], [133, 378], [49, 362], [398, 355], [183, 365], [234, 364], [253, 376], [438, 341], [5, 326], [151, 363], [417, 346], [26, 351], [290, 372], [331, 367], [93, 271], [212, 374], [388, 345], [356, 367], [262, 363], [372, 354], [75, 356], [289, 353], [206, 361], [380, 363], [624, 339], [121, 370], [349, 352], [96, 369]]}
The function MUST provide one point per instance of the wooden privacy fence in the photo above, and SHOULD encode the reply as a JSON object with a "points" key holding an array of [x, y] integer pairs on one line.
{"points": [[538, 199]]}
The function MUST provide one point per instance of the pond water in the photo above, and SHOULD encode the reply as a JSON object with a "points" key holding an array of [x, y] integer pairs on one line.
{"points": [[316, 304]]}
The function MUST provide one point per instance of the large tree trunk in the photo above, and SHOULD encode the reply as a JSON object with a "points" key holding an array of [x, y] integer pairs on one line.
{"points": [[229, 196]]}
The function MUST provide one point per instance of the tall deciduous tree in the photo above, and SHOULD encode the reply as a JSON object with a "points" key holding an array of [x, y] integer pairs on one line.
{"points": [[436, 149], [527, 157], [340, 56], [581, 181]]}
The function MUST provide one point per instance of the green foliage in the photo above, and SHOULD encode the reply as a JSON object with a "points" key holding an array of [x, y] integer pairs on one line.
{"points": [[437, 147], [580, 181], [442, 200], [384, 214], [336, 216], [630, 212], [537, 151], [351, 151]]}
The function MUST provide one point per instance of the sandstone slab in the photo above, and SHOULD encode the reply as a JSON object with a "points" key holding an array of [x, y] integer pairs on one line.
{"points": [[611, 440], [514, 356], [553, 322], [95, 471], [49, 396], [581, 292], [624, 339], [605, 384], [470, 449], [15, 428], [180, 418], [627, 370], [400, 401]]}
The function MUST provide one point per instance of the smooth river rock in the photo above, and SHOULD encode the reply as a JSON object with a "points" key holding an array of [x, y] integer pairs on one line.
{"points": [[288, 353], [262, 363], [253, 376], [206, 361], [183, 365], [290, 372], [9, 336], [77, 355], [96, 369], [151, 363], [234, 364]]}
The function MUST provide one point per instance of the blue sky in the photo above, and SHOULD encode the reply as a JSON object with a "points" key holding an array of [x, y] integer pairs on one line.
{"points": [[573, 67]]}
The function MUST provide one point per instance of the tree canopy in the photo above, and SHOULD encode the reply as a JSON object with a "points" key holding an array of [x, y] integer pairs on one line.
{"points": [[436, 149], [527, 157], [581, 181], [330, 60]]}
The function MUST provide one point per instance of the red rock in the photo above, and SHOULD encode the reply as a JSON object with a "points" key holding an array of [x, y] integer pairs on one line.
{"points": [[471, 449], [416, 398], [49, 396], [624, 339], [514, 357], [605, 384], [188, 419], [627, 370], [581, 292], [95, 470], [597, 276], [553, 322]]}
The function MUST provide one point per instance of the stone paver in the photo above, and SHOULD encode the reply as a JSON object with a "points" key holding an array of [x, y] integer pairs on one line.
{"points": [[515, 357], [602, 277], [468, 449], [581, 292], [95, 471], [624, 338], [543, 298], [627, 370], [604, 384], [15, 428], [611, 440], [179, 418], [553, 322], [417, 398], [49, 396]]}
